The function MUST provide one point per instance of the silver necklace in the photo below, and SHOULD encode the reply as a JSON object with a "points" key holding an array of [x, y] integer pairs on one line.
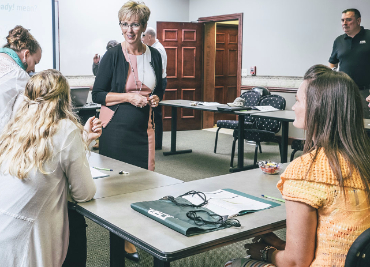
{"points": [[133, 72]]}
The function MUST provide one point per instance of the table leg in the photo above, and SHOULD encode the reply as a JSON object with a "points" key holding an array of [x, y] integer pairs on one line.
{"points": [[241, 166], [241, 142], [284, 141], [173, 136], [159, 263], [117, 250]]}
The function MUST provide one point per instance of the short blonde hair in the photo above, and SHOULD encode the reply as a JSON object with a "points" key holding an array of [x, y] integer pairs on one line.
{"points": [[134, 8]]}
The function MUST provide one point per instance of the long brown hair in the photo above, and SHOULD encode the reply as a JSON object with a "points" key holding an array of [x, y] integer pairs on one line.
{"points": [[334, 122]]}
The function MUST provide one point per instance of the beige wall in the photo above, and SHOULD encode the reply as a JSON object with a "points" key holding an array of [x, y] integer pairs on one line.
{"points": [[85, 27], [284, 37]]}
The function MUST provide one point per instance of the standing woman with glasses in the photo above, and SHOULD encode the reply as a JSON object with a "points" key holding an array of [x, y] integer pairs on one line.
{"points": [[128, 85]]}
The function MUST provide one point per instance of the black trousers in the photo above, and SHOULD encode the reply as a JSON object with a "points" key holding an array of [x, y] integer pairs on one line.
{"points": [[77, 249], [158, 120]]}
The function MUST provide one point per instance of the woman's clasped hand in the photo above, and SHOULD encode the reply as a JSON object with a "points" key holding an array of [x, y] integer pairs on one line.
{"points": [[153, 101], [141, 101], [138, 100]]}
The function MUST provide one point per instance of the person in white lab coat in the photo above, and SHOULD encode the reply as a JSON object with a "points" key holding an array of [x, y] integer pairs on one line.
{"points": [[18, 58], [42, 164]]}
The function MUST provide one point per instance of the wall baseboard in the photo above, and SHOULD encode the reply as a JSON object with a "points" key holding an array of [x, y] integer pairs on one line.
{"points": [[82, 80], [273, 82]]}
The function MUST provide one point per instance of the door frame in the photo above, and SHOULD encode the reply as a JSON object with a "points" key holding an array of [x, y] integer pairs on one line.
{"points": [[209, 60]]}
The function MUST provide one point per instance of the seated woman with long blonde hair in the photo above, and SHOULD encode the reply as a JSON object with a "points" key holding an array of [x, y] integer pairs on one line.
{"points": [[42, 162], [327, 188]]}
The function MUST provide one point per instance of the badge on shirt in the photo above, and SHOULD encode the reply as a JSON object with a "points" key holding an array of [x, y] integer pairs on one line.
{"points": [[363, 42]]}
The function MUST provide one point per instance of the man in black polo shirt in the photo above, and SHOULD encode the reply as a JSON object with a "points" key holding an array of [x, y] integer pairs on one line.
{"points": [[352, 51]]}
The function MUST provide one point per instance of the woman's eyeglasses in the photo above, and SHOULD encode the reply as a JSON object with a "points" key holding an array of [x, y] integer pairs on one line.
{"points": [[125, 25]]}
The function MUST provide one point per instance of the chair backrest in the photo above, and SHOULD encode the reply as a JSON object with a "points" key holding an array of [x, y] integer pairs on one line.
{"points": [[251, 98], [261, 90], [271, 125], [275, 101], [359, 253]]}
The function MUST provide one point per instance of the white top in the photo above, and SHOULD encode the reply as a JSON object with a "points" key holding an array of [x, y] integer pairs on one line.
{"points": [[34, 227], [13, 80], [157, 45], [145, 70]]}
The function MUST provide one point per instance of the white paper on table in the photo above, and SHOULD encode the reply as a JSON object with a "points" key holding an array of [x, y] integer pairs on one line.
{"points": [[97, 174], [266, 108], [233, 105], [223, 202], [209, 103]]}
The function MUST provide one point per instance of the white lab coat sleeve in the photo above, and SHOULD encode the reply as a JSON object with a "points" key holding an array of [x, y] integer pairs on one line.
{"points": [[76, 168]]}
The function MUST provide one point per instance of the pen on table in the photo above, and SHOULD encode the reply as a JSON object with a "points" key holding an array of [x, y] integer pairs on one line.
{"points": [[274, 198], [103, 169]]}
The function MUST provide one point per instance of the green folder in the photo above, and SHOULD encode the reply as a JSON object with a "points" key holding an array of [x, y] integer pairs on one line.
{"points": [[174, 216]]}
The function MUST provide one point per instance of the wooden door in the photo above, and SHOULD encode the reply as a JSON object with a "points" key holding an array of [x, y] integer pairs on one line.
{"points": [[183, 42], [226, 67]]}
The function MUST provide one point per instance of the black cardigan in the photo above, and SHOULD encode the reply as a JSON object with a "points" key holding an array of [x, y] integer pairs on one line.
{"points": [[113, 70]]}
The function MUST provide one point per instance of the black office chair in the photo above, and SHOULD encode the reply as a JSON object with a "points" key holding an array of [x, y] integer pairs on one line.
{"points": [[251, 99], [359, 253], [297, 145], [265, 129]]}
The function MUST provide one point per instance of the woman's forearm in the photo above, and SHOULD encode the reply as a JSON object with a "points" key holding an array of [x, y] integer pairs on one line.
{"points": [[277, 258], [282, 258], [135, 99], [280, 245], [301, 231], [116, 98]]}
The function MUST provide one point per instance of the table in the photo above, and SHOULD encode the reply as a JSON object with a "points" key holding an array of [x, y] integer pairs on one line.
{"points": [[117, 184], [138, 178], [165, 245], [174, 104], [285, 116]]}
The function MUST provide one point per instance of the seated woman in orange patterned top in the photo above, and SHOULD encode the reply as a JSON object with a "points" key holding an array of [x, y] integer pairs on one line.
{"points": [[327, 188]]}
